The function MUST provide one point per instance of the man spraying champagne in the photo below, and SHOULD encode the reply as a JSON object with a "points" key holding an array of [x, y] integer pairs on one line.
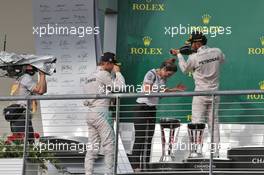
{"points": [[204, 63]]}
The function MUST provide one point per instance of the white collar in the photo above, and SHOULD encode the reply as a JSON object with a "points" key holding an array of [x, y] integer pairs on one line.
{"points": [[202, 48]]}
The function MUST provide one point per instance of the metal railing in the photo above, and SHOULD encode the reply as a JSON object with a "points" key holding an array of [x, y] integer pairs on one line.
{"points": [[118, 97]]}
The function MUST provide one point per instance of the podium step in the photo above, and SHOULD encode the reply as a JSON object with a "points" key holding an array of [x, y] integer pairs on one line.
{"points": [[247, 158], [201, 164], [190, 165], [168, 166], [198, 173]]}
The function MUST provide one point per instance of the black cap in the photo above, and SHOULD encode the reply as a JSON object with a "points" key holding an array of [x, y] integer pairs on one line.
{"points": [[197, 36], [109, 57]]}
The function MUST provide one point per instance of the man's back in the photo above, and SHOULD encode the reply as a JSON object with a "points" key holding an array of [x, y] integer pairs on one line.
{"points": [[206, 68]]}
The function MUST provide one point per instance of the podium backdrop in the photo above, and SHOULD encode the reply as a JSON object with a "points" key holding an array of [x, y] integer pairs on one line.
{"points": [[76, 59], [148, 29]]}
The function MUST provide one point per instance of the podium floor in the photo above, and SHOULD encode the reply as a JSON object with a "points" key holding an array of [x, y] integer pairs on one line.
{"points": [[201, 166], [199, 173]]}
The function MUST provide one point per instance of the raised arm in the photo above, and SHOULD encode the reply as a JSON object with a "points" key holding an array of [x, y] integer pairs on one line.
{"points": [[41, 86]]}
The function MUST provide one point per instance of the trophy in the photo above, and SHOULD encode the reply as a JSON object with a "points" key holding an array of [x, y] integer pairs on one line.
{"points": [[195, 132], [167, 144]]}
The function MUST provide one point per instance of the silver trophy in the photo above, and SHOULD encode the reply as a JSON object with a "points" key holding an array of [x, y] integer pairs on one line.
{"points": [[195, 132], [167, 144]]}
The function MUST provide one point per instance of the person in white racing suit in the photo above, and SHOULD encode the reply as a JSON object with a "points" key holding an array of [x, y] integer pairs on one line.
{"points": [[100, 132], [205, 67]]}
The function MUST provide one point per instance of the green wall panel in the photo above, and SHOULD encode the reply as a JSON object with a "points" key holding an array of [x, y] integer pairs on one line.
{"points": [[241, 27]]}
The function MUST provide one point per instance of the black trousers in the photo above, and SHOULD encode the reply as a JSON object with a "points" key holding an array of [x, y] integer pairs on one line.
{"points": [[18, 125], [144, 122]]}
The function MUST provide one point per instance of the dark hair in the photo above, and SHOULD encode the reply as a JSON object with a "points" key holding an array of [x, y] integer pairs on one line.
{"points": [[198, 36], [204, 41], [169, 65]]}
